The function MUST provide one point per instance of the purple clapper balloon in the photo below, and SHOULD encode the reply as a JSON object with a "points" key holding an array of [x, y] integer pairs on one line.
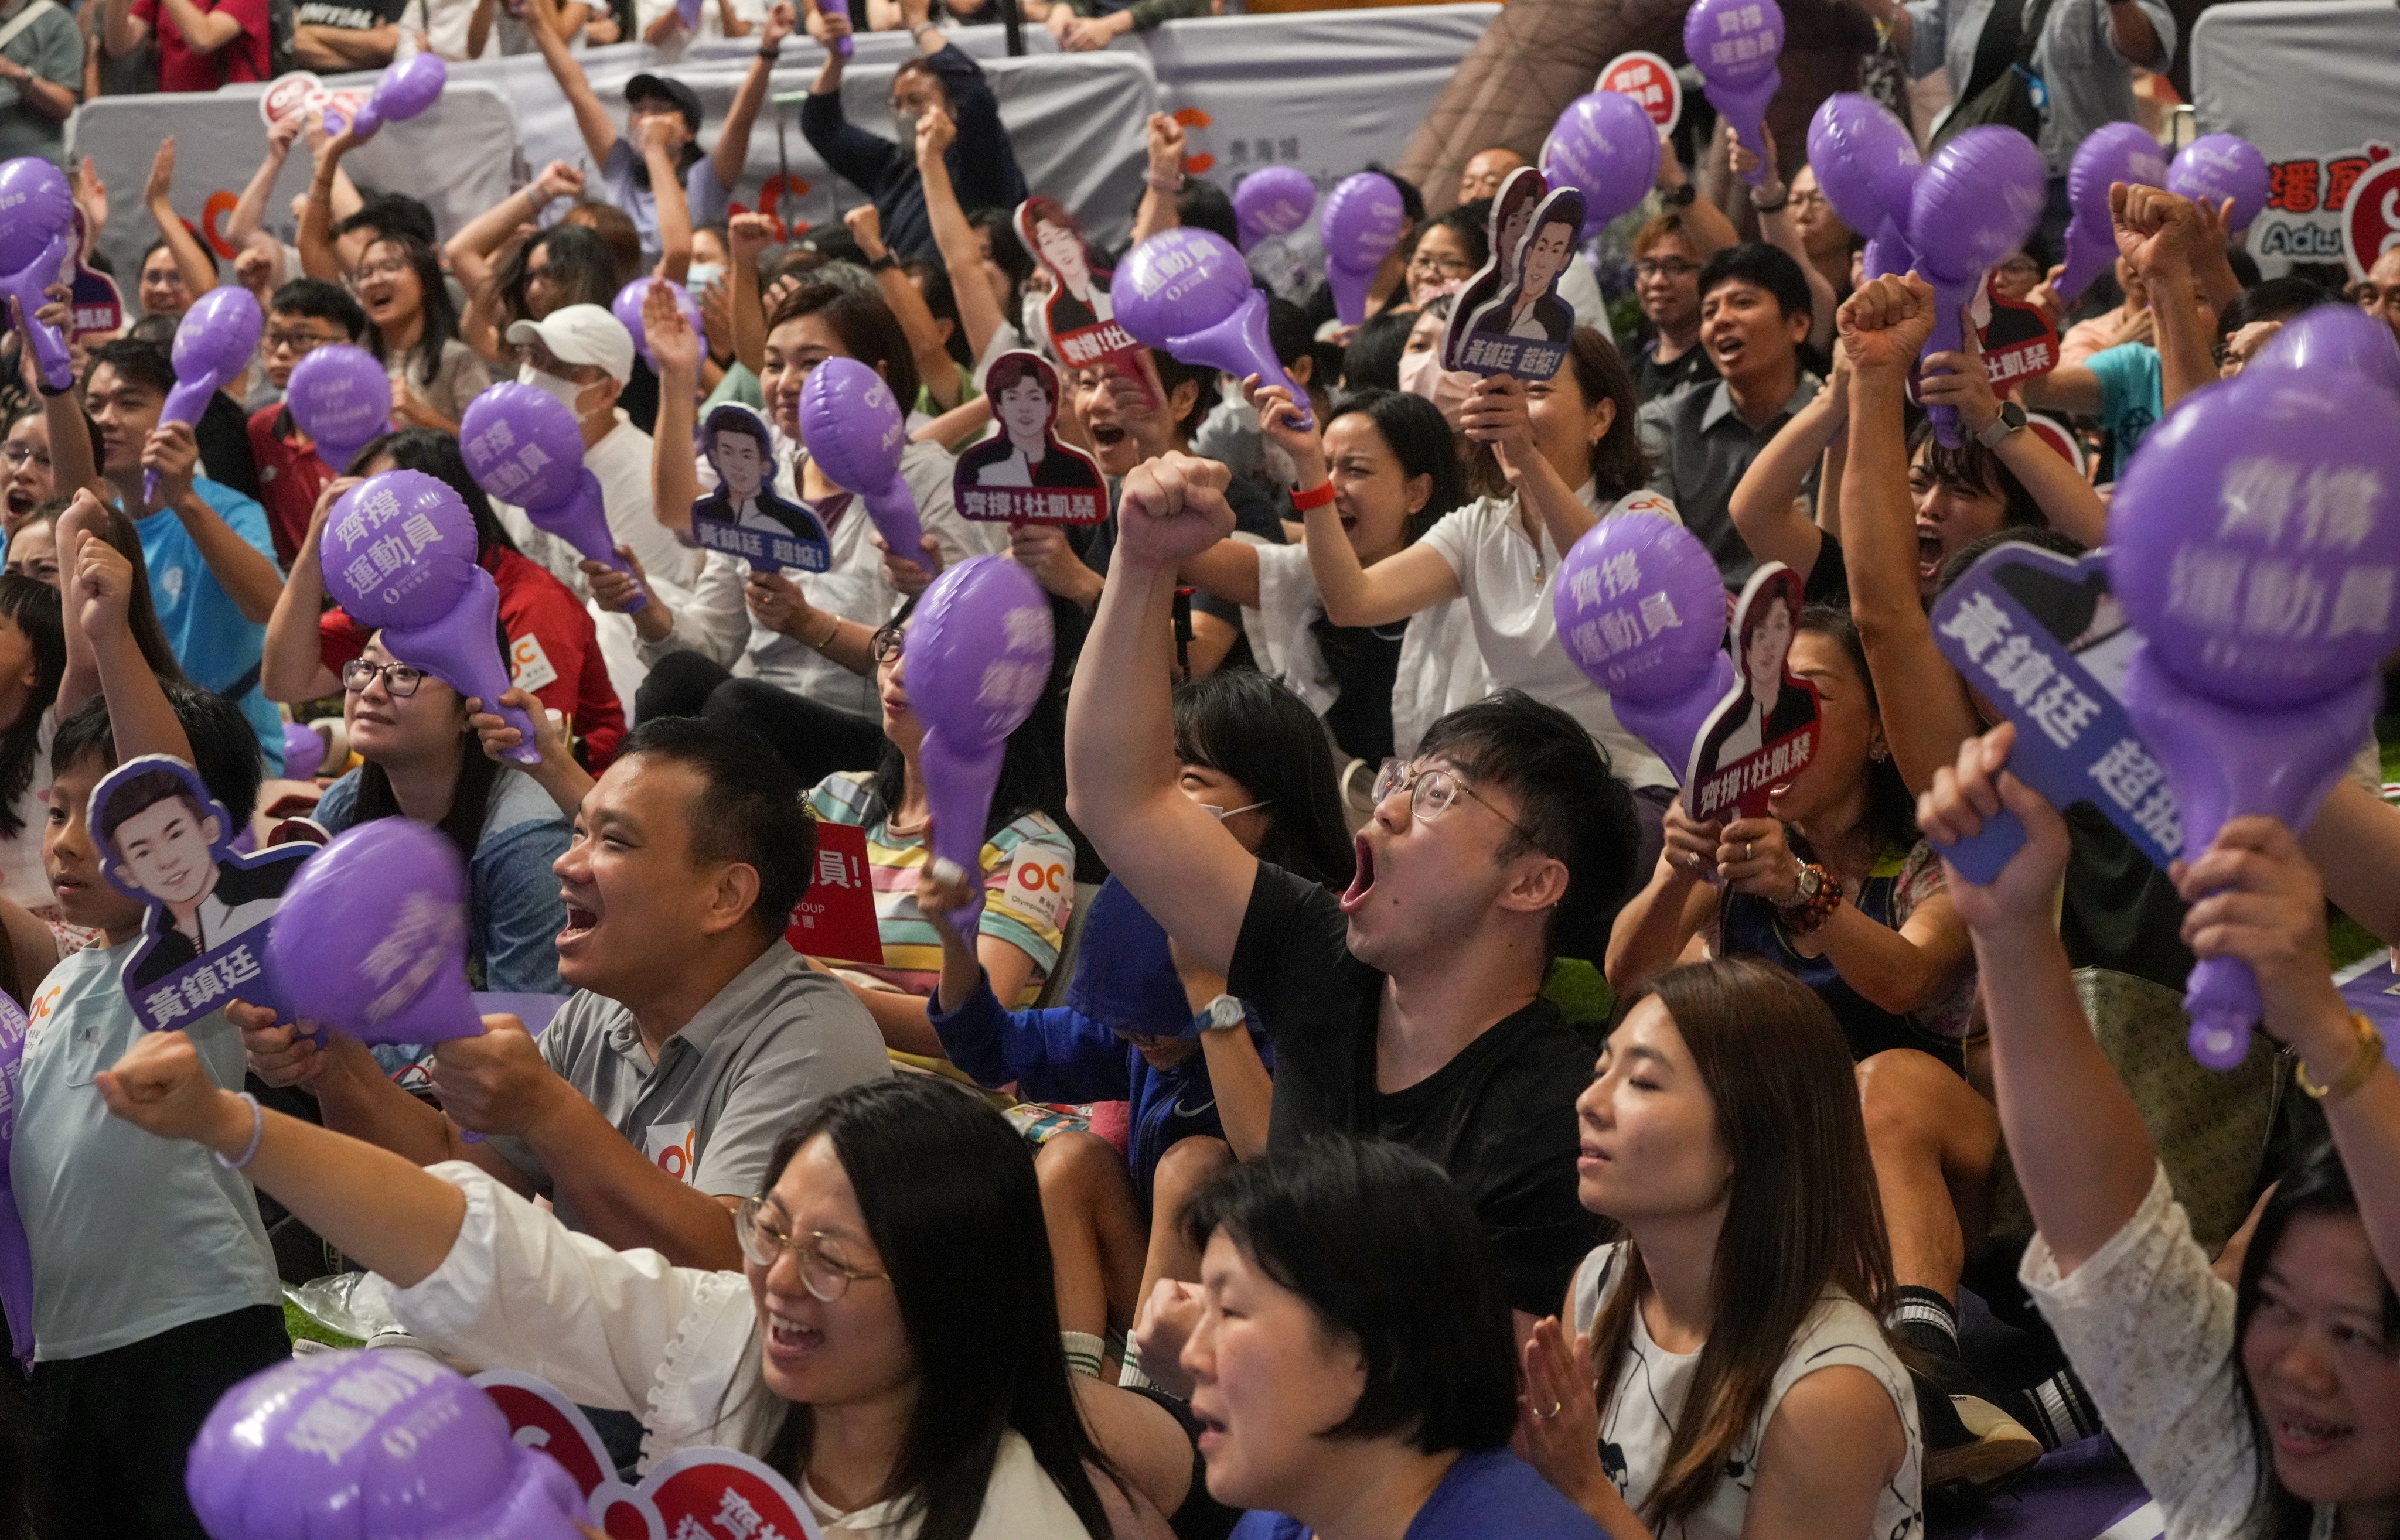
{"points": [[1641, 609], [406, 89], [36, 234], [214, 344], [399, 554], [1605, 147], [2219, 166], [1734, 44], [688, 10], [2334, 339], [627, 308], [523, 446], [1975, 202], [853, 428], [374, 930], [2254, 543], [1273, 200], [1867, 163], [977, 659], [340, 397], [16, 1252], [2117, 152], [304, 752], [1362, 224], [371, 1446], [1187, 293]]}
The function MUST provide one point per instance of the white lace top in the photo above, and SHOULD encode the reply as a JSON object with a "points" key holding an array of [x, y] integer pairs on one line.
{"points": [[2150, 1329]]}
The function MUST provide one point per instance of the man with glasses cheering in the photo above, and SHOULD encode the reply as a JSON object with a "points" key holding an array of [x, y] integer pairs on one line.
{"points": [[303, 316], [1409, 1006], [1666, 282]]}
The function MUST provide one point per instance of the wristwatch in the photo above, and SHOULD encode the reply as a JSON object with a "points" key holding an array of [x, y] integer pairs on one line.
{"points": [[1221, 1014], [1812, 876], [885, 263], [1682, 197], [2010, 421]]}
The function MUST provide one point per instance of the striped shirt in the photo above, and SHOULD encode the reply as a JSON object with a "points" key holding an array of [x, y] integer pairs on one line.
{"points": [[1028, 874]]}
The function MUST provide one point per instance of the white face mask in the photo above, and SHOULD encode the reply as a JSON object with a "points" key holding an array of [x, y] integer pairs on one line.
{"points": [[565, 391], [703, 275]]}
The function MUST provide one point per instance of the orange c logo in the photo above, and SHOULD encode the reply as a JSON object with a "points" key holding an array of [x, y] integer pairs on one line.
{"points": [[219, 205]]}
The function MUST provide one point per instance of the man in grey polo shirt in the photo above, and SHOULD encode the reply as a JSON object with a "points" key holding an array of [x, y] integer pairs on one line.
{"points": [[649, 1105], [41, 77], [1754, 315]]}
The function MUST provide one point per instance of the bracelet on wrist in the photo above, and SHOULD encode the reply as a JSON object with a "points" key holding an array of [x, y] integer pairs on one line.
{"points": [[1775, 208], [1316, 497], [771, 55], [2363, 1063], [833, 629], [1813, 906], [257, 1132], [1163, 184]]}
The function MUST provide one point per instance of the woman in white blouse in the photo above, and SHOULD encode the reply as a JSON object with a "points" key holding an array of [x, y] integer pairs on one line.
{"points": [[2266, 1408], [892, 1345]]}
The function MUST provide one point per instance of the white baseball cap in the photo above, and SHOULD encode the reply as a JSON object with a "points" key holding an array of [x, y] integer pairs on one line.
{"points": [[581, 334]]}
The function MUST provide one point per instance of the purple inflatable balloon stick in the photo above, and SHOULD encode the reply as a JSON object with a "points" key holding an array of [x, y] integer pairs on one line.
{"points": [[1187, 293], [36, 236], [340, 397], [304, 752], [374, 934], [1865, 160], [1362, 222], [1734, 44], [2218, 166], [1641, 609], [2114, 153], [627, 308], [1975, 203], [397, 549], [523, 446], [462, 649], [2333, 340], [364, 1445], [977, 658], [852, 427], [688, 12], [1604, 147], [406, 89], [1273, 200], [214, 343]]}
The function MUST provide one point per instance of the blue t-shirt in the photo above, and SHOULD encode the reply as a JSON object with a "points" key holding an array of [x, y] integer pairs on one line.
{"points": [[131, 1234], [1488, 1494], [707, 197], [2133, 395], [216, 646]]}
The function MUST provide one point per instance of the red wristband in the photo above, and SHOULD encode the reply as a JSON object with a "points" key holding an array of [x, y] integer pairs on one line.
{"points": [[1316, 497]]}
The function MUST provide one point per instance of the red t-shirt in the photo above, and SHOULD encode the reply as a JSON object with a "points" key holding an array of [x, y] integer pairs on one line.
{"points": [[182, 68], [291, 478], [551, 640]]}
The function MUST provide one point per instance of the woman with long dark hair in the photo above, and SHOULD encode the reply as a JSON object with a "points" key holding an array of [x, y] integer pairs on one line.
{"points": [[33, 659], [2268, 1407], [1721, 1371], [414, 328], [560, 266], [890, 1346]]}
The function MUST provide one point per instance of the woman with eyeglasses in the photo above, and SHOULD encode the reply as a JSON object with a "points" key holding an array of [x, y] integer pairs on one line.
{"points": [[27, 480], [1141, 1026], [414, 328], [890, 1346], [1451, 250]]}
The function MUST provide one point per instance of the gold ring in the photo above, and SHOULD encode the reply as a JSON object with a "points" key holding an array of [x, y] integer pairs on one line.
{"points": [[1546, 1416]]}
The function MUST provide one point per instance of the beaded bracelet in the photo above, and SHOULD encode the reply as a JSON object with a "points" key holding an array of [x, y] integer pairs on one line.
{"points": [[1804, 918]]}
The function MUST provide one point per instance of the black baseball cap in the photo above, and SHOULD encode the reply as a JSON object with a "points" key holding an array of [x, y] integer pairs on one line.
{"points": [[668, 89]]}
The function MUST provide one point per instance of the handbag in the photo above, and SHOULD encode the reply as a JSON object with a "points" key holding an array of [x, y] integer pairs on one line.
{"points": [[2003, 89]]}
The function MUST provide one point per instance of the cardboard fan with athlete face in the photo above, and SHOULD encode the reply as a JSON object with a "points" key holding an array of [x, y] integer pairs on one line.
{"points": [[1523, 330], [1512, 215], [1763, 733], [165, 842], [1078, 316], [744, 515], [1025, 473]]}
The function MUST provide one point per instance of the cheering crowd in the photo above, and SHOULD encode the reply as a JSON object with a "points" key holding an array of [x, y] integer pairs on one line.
{"points": [[1355, 1097]]}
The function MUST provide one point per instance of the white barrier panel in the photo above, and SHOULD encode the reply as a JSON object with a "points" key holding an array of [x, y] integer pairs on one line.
{"points": [[2310, 83], [1326, 91]]}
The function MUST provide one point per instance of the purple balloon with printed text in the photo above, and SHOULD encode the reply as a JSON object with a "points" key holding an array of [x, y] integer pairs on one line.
{"points": [[371, 1446], [373, 937], [1734, 44], [405, 90], [523, 446], [1867, 163], [2217, 166], [1975, 202], [1606, 146], [627, 308], [1362, 222], [853, 426], [1641, 609], [1273, 200], [2113, 153], [977, 657], [1187, 293], [2255, 542], [214, 343], [340, 397], [37, 221], [2333, 339]]}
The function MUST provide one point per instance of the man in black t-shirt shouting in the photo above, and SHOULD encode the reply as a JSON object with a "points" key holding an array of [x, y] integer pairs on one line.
{"points": [[1409, 1006]]}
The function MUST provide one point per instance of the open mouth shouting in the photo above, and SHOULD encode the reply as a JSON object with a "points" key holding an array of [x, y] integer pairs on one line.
{"points": [[580, 922], [1361, 886]]}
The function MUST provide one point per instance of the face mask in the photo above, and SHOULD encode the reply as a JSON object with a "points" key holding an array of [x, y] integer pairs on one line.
{"points": [[1416, 372], [565, 391], [703, 275]]}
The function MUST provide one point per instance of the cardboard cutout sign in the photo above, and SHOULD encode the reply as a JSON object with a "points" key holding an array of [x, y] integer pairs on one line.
{"points": [[96, 307], [835, 919], [1512, 216], [1764, 732], [2370, 215], [166, 842], [2042, 638], [744, 515], [543, 1419], [1649, 80], [1524, 329], [1078, 316], [2056, 434], [287, 94], [1024, 473], [2019, 342]]}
